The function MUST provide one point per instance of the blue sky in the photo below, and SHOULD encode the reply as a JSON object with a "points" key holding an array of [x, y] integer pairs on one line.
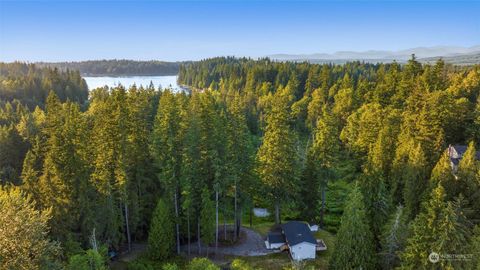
{"points": [[181, 30]]}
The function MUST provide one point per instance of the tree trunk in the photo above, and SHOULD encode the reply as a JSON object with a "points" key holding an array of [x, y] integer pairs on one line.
{"points": [[235, 213], [277, 212], [251, 217], [176, 223], [188, 229], [322, 213], [224, 223], [239, 224], [198, 237], [129, 239], [216, 223]]}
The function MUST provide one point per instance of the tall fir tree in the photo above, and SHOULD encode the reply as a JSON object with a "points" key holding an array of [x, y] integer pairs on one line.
{"points": [[167, 150], [207, 219], [441, 228], [468, 182], [277, 156], [161, 237], [355, 248], [320, 165]]}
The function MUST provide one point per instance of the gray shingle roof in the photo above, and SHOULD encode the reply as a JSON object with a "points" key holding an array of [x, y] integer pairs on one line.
{"points": [[297, 232]]}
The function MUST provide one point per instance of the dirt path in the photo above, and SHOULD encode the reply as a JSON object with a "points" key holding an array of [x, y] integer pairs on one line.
{"points": [[251, 244]]}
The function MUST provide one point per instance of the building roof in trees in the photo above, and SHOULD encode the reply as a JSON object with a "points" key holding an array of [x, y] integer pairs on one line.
{"points": [[460, 149], [456, 153], [297, 232], [275, 238]]}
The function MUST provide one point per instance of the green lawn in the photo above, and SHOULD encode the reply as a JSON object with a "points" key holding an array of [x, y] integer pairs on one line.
{"points": [[281, 260]]}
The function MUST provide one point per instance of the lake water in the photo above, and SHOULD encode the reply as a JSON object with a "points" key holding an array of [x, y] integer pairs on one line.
{"points": [[158, 81]]}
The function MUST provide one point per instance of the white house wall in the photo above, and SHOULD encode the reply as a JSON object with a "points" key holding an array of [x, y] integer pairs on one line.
{"points": [[303, 251], [273, 245]]}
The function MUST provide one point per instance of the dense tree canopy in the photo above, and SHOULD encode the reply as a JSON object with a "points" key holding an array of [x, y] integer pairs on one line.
{"points": [[31, 85], [117, 67], [295, 136]]}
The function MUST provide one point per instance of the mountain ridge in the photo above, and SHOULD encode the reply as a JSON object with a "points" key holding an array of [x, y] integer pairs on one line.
{"points": [[382, 55]]}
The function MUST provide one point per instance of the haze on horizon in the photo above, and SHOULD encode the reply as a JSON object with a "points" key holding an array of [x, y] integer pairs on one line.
{"points": [[175, 31]]}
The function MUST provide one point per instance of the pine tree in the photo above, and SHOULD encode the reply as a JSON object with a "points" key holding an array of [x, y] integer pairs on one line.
{"points": [[64, 180], [24, 242], [166, 150], [441, 227], [355, 246], [240, 153], [192, 180], [414, 176], [468, 182], [474, 247], [377, 201], [30, 175], [442, 174], [161, 237], [277, 157], [141, 188], [207, 219], [320, 164], [109, 176]]}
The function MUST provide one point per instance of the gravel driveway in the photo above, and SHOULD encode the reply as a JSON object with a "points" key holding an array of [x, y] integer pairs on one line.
{"points": [[251, 244]]}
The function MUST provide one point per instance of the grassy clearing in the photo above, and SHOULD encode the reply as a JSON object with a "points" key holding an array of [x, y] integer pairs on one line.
{"points": [[281, 260]]}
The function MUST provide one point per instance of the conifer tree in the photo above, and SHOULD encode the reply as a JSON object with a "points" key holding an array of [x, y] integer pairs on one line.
{"points": [[109, 176], [166, 150], [141, 189], [207, 219], [355, 246], [30, 175], [474, 247], [161, 237], [441, 228], [468, 182], [277, 157], [64, 180], [24, 242], [414, 175], [320, 167], [240, 153], [443, 174]]}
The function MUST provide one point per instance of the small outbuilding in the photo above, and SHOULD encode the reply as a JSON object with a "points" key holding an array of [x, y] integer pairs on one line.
{"points": [[275, 240]]}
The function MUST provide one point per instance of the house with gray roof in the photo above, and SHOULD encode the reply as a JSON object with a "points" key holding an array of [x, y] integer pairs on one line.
{"points": [[297, 237]]}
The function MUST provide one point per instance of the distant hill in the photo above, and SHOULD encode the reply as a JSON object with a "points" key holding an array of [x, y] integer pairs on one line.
{"points": [[462, 59], [117, 67], [382, 56]]}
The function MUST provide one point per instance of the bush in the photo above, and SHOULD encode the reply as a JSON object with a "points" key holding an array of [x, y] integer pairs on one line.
{"points": [[170, 266], [202, 264], [89, 260], [238, 264]]}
